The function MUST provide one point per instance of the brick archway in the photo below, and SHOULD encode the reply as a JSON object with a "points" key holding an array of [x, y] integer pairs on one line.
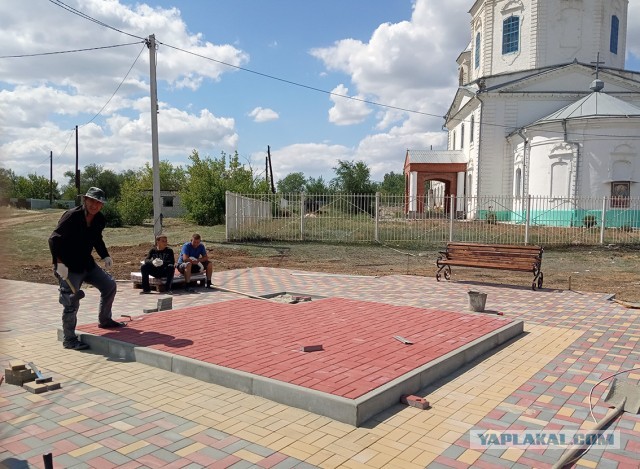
{"points": [[443, 172]]}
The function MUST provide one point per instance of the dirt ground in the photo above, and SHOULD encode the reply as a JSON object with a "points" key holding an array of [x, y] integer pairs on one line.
{"points": [[25, 256], [614, 270]]}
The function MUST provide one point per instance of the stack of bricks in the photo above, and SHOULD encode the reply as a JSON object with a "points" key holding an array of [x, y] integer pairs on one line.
{"points": [[19, 375]]}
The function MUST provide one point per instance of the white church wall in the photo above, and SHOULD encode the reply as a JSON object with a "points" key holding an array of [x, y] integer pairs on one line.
{"points": [[610, 159], [579, 30]]}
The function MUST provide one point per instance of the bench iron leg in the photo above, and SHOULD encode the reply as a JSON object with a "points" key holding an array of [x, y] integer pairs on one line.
{"points": [[446, 273]]}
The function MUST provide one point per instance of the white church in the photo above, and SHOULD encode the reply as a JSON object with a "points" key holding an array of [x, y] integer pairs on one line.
{"points": [[544, 108]]}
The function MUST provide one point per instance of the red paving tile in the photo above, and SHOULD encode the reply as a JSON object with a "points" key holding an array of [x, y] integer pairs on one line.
{"points": [[264, 338]]}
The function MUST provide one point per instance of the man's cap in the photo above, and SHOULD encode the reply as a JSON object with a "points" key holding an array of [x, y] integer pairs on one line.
{"points": [[161, 236], [96, 194]]}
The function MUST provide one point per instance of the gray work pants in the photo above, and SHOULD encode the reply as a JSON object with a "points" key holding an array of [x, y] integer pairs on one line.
{"points": [[95, 277]]}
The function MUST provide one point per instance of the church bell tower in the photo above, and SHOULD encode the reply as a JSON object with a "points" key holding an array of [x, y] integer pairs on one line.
{"points": [[514, 35]]}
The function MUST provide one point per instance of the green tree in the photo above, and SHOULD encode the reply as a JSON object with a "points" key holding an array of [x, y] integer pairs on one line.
{"points": [[171, 178], [292, 183], [204, 194], [94, 175], [208, 179], [393, 184], [353, 178], [135, 203], [316, 186], [33, 187], [7, 178]]}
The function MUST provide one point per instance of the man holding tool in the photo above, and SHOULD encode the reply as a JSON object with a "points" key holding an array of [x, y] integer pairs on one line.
{"points": [[79, 231]]}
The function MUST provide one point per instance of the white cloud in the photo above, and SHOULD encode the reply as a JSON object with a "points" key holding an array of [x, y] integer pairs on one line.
{"points": [[409, 65], [260, 114], [347, 111], [40, 94]]}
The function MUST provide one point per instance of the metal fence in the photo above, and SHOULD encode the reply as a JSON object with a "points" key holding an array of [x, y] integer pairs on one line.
{"points": [[353, 218]]}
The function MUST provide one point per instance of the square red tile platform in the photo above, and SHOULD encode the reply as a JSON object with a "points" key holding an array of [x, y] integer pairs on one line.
{"points": [[255, 346]]}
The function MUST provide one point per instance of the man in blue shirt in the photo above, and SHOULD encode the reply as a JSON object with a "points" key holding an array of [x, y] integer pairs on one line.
{"points": [[193, 259]]}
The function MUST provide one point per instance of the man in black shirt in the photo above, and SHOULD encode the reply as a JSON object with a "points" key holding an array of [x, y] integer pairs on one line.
{"points": [[78, 233], [160, 262]]}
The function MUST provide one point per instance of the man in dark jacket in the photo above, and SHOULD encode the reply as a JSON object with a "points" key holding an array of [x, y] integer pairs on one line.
{"points": [[160, 262], [78, 233]]}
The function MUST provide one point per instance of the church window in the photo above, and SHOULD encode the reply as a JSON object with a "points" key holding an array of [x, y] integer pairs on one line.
{"points": [[453, 140], [462, 136], [477, 51], [518, 183], [620, 193], [510, 34], [559, 180], [472, 128], [613, 42]]}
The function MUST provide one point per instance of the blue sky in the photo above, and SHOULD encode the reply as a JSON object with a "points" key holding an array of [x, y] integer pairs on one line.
{"points": [[396, 52]]}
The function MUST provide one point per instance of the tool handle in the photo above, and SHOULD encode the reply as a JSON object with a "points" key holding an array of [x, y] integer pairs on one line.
{"points": [[570, 455]]}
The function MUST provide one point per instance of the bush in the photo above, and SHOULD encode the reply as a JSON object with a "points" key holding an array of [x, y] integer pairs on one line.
{"points": [[589, 221], [110, 211]]}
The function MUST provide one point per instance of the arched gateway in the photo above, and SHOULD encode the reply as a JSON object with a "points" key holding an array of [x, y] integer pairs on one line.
{"points": [[447, 167]]}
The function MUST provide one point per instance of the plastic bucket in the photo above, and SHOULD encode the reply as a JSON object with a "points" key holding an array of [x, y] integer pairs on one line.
{"points": [[477, 301]]}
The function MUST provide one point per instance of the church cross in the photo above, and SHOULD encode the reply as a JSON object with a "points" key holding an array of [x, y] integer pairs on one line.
{"points": [[597, 64]]}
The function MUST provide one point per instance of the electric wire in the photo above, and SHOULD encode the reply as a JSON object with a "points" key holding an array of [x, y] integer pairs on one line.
{"points": [[70, 9], [40, 54], [59, 155], [272, 77]]}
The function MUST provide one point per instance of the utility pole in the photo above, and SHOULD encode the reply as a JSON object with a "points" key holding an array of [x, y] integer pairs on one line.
{"points": [[50, 179], [273, 188], [77, 172], [157, 206]]}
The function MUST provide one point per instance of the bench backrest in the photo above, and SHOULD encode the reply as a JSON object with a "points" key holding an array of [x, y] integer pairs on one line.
{"points": [[495, 253]]}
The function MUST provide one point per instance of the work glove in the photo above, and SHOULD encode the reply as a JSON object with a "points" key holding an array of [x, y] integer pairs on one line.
{"points": [[157, 262], [108, 262], [62, 270]]}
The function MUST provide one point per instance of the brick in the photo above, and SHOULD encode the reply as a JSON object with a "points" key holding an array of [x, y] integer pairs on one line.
{"points": [[53, 386], [17, 365], [311, 348], [19, 377], [415, 401], [36, 388]]}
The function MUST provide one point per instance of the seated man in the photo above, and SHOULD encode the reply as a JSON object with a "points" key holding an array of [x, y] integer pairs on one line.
{"points": [[160, 262], [193, 259]]}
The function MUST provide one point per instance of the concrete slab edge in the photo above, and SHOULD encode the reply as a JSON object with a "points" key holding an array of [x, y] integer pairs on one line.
{"points": [[389, 394], [350, 411]]}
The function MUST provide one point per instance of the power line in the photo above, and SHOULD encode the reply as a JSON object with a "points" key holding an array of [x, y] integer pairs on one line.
{"points": [[290, 82], [66, 51], [374, 103], [114, 93], [105, 105], [87, 17], [286, 81]]}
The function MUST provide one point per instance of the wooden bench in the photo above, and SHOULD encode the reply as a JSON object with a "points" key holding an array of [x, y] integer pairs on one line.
{"points": [[492, 256], [159, 283]]}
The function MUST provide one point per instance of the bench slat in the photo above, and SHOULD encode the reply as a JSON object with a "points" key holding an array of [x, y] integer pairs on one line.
{"points": [[492, 256]]}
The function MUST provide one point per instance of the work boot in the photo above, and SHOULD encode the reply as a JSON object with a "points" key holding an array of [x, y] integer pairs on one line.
{"points": [[111, 324], [75, 345]]}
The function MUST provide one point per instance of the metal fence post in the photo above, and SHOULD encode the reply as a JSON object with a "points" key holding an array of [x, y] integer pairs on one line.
{"points": [[451, 217], [226, 217], [301, 216], [527, 220], [603, 218], [376, 219]]}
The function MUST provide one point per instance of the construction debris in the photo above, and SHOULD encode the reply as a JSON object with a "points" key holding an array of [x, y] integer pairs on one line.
{"points": [[29, 377], [415, 401]]}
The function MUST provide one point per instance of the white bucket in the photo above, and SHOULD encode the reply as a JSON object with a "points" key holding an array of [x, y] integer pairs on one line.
{"points": [[477, 301]]}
